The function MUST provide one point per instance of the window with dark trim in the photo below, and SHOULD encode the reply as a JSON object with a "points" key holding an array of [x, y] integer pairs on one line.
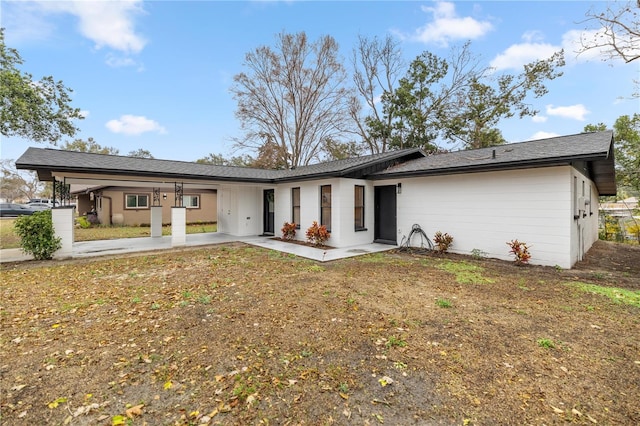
{"points": [[137, 201], [325, 206], [359, 208], [191, 201], [295, 206]]}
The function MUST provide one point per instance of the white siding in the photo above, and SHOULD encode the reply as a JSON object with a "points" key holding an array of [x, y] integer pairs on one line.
{"points": [[240, 210], [343, 233], [486, 210], [584, 228]]}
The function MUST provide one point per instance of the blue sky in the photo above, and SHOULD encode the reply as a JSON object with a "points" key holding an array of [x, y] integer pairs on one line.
{"points": [[156, 74]]}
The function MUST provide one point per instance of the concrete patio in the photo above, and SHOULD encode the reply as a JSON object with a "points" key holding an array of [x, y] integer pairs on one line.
{"points": [[85, 249]]}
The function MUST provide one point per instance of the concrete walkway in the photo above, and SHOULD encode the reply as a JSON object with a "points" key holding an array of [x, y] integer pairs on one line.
{"points": [[84, 249]]}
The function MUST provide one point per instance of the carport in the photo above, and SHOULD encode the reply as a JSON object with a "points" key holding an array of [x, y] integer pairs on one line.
{"points": [[66, 168]]}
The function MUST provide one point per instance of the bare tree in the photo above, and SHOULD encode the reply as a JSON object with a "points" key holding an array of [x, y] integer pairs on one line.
{"points": [[617, 32], [18, 184], [377, 66], [293, 95]]}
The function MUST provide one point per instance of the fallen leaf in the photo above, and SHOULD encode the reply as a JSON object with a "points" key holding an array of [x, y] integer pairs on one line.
{"points": [[134, 411], [167, 385], [386, 380], [557, 410], [54, 404]]}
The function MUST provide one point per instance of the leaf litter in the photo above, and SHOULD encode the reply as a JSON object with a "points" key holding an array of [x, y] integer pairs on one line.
{"points": [[238, 335]]}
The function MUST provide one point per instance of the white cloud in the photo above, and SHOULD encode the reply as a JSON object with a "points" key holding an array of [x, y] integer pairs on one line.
{"points": [[543, 135], [539, 119], [447, 26], [84, 113], [107, 23], [115, 61], [574, 112], [517, 55], [134, 125]]}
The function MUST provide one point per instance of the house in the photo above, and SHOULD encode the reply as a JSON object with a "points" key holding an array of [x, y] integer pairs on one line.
{"points": [[543, 192], [124, 205]]}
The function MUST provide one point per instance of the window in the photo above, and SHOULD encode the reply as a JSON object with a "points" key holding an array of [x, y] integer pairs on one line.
{"points": [[325, 206], [359, 208], [295, 206], [137, 201], [191, 201]]}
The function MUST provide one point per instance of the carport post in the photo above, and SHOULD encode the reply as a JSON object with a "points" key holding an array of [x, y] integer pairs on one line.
{"points": [[178, 226], [156, 221], [63, 218]]}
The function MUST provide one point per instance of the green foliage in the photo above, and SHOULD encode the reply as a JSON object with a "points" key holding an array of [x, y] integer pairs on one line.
{"points": [[414, 105], [140, 153], [615, 294], [443, 241], [611, 229], [36, 110], [444, 303], [90, 145], [464, 272], [520, 251], [626, 133], [546, 343], [394, 341], [317, 235], [220, 160], [288, 231], [37, 236], [458, 100], [484, 103], [83, 222], [478, 254]]}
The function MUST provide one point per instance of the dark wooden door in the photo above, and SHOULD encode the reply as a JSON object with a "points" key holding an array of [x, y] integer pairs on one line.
{"points": [[385, 214], [269, 211]]}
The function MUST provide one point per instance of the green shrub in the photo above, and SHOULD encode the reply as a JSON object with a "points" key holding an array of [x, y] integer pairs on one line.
{"points": [[84, 222], [36, 235]]}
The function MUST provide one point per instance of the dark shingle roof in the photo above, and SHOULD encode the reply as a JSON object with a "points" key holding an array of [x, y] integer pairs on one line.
{"points": [[596, 148], [46, 160]]}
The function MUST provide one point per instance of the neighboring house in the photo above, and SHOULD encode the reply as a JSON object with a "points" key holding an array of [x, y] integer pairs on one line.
{"points": [[131, 205], [542, 192]]}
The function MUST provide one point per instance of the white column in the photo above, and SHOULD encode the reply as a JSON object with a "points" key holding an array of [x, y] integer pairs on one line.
{"points": [[178, 226], [64, 228], [156, 221]]}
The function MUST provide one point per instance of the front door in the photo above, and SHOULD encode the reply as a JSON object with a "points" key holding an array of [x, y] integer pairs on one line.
{"points": [[269, 211], [385, 215]]}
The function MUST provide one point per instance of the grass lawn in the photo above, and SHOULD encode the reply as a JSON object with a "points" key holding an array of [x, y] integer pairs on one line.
{"points": [[238, 335], [8, 239]]}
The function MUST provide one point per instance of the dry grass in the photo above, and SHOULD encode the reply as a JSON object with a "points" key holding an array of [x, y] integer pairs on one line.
{"points": [[8, 239], [239, 335]]}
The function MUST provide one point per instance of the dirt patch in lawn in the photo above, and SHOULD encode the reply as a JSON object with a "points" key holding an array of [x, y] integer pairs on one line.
{"points": [[234, 334]]}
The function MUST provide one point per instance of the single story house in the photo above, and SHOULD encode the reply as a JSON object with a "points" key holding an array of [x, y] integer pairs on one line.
{"points": [[542, 192], [124, 205]]}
